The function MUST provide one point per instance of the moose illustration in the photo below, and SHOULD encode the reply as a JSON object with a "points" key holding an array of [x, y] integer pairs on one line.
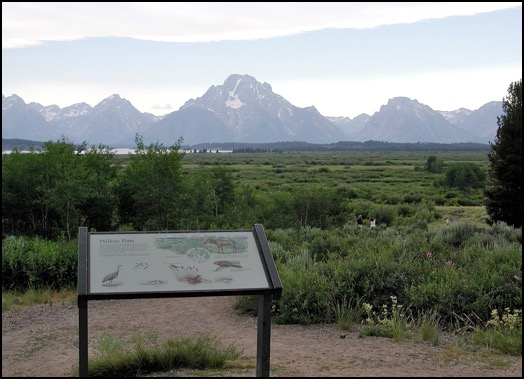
{"points": [[220, 243]]}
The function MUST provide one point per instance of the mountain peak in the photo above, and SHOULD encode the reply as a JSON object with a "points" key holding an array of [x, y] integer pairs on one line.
{"points": [[111, 99], [10, 101], [251, 112], [243, 110], [114, 101]]}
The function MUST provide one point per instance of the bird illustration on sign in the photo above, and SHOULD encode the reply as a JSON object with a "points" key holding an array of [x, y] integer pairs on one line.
{"points": [[111, 276], [141, 265]]}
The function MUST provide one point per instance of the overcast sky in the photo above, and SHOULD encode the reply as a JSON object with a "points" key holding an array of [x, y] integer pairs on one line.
{"points": [[343, 58]]}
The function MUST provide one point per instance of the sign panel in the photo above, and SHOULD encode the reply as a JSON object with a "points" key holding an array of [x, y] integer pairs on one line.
{"points": [[175, 261]]}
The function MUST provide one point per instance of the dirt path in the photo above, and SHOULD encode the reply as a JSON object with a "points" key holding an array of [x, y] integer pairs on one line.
{"points": [[43, 341]]}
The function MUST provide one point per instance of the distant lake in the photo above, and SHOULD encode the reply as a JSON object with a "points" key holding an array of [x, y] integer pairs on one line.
{"points": [[126, 150], [132, 151]]}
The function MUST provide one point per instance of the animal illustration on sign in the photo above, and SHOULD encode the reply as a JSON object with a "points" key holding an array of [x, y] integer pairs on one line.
{"points": [[111, 276], [141, 265], [154, 283], [188, 274], [224, 264], [220, 243]]}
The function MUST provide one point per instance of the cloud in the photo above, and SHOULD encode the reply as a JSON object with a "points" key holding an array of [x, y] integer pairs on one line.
{"points": [[165, 107], [32, 23]]}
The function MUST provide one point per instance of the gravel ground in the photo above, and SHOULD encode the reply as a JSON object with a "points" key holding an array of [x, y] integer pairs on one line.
{"points": [[41, 340]]}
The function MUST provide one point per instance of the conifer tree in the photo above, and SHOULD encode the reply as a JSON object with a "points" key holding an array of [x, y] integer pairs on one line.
{"points": [[504, 192]]}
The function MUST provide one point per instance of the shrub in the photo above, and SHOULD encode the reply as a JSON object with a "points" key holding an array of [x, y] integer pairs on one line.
{"points": [[405, 210], [505, 231], [305, 298], [503, 331], [412, 198], [37, 263], [456, 234], [392, 322], [324, 243], [384, 214], [462, 271]]}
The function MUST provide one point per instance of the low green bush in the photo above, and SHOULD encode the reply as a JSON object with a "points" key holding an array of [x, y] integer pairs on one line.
{"points": [[38, 263], [460, 270]]}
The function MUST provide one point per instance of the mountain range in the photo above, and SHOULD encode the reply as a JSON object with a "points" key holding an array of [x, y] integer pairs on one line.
{"points": [[246, 111]]}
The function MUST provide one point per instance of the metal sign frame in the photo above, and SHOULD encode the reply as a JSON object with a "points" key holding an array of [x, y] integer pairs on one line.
{"points": [[244, 254]]}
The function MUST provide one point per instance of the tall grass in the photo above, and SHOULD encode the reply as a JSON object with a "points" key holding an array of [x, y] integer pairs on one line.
{"points": [[429, 326], [17, 299], [348, 313], [202, 351]]}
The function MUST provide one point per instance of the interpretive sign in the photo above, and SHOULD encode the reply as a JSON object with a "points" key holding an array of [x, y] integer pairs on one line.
{"points": [[126, 265], [157, 262]]}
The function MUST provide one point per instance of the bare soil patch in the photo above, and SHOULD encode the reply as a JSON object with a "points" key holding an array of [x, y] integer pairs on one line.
{"points": [[42, 340]]}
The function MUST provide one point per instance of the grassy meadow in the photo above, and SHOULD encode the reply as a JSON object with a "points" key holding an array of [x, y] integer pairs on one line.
{"points": [[380, 177], [432, 251]]}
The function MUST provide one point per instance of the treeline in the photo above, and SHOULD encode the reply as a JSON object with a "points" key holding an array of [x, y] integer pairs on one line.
{"points": [[22, 144], [275, 147], [49, 193], [341, 146]]}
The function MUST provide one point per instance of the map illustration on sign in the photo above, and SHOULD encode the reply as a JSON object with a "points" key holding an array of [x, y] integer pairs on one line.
{"points": [[174, 261]]}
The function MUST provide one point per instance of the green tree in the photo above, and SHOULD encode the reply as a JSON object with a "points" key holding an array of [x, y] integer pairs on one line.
{"points": [[276, 209], [504, 192], [67, 191], [199, 209], [79, 191], [246, 203], [222, 189], [150, 188], [100, 205], [316, 205], [465, 176], [434, 164], [23, 209], [213, 200], [56, 189]]}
